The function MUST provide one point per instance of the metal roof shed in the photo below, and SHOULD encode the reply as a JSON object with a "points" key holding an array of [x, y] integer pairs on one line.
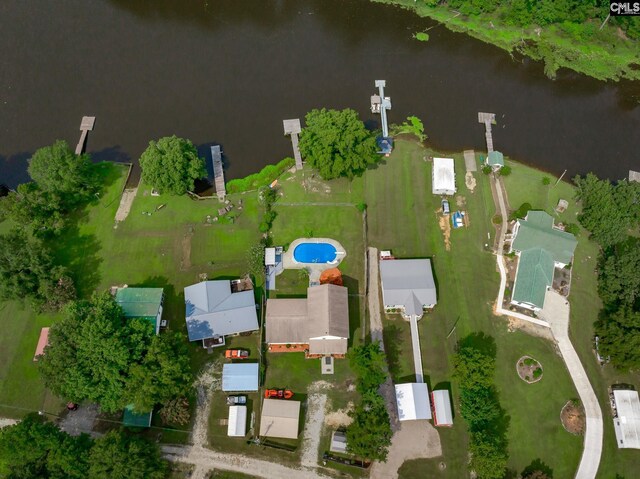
{"points": [[338, 442], [412, 400], [442, 413], [443, 176], [627, 421], [240, 377], [269, 256], [237, 425], [280, 418]]}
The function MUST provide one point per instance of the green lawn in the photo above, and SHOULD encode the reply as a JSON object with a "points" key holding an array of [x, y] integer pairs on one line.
{"points": [[467, 284], [585, 306]]}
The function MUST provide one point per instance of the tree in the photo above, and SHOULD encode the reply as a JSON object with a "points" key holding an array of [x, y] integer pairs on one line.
{"points": [[608, 211], [58, 170], [336, 143], [413, 125], [474, 368], [27, 271], [488, 456], [619, 337], [369, 435], [619, 281], [37, 448], [163, 374], [119, 456], [479, 407], [505, 171], [176, 411], [29, 206], [91, 350], [171, 165], [369, 364]]}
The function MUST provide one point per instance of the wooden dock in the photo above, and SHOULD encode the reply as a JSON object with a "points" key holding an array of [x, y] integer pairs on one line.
{"points": [[218, 172], [293, 128], [488, 119], [86, 125]]}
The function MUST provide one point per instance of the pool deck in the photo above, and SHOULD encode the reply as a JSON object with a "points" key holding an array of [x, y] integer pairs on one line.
{"points": [[314, 269]]}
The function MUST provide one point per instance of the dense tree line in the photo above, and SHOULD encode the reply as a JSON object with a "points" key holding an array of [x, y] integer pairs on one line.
{"points": [[571, 15], [369, 435], [611, 212], [480, 407], [336, 143], [35, 448], [95, 354]]}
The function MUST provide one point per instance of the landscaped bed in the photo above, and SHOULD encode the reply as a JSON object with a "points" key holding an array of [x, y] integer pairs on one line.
{"points": [[529, 369], [573, 418]]}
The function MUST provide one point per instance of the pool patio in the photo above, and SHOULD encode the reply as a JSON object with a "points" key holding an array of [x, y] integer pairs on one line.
{"points": [[314, 269]]}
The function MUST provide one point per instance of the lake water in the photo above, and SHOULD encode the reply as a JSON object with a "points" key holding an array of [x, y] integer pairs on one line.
{"points": [[228, 72]]}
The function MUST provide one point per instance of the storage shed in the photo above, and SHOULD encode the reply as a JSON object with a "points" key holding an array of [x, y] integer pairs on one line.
{"points": [[444, 178], [237, 425], [280, 418], [442, 413], [412, 400], [626, 420], [338, 442], [240, 377]]}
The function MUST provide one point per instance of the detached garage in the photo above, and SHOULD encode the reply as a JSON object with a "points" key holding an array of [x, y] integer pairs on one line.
{"points": [[237, 425], [412, 400], [444, 177], [442, 413]]}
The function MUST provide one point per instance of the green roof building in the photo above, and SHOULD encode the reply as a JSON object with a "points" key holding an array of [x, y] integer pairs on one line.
{"points": [[144, 303], [541, 248], [495, 159], [133, 419]]}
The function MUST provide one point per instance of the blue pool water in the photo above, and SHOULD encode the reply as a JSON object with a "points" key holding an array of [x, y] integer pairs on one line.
{"points": [[315, 253]]}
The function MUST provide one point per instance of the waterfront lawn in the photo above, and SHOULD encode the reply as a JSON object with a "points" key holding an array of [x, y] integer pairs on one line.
{"points": [[467, 284], [585, 307]]}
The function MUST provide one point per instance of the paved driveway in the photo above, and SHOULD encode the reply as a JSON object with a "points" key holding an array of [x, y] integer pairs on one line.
{"points": [[556, 312]]}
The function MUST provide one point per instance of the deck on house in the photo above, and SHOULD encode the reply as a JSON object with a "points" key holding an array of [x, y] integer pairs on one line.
{"points": [[292, 127], [488, 119], [86, 125], [218, 172]]}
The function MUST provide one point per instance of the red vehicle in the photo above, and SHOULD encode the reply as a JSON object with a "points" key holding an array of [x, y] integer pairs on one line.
{"points": [[278, 394], [236, 354]]}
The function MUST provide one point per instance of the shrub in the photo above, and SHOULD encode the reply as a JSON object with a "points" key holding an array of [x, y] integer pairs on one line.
{"points": [[497, 220], [546, 181], [361, 207], [505, 171], [520, 212], [537, 373], [572, 228], [486, 169], [421, 36]]}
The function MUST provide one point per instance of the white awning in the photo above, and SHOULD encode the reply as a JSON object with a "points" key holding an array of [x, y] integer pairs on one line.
{"points": [[444, 178], [412, 400], [269, 256]]}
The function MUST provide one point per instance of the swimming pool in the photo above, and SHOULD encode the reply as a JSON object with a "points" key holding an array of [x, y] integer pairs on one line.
{"points": [[315, 253]]}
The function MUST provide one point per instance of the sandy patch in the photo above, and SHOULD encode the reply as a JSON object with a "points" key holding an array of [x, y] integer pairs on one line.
{"points": [[126, 201], [414, 440], [445, 226], [461, 201], [339, 418], [470, 181]]}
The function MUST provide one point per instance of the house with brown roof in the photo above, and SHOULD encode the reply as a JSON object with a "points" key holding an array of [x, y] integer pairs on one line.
{"points": [[317, 324]]}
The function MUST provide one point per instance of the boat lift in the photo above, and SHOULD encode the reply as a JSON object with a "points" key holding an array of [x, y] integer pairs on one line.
{"points": [[379, 105]]}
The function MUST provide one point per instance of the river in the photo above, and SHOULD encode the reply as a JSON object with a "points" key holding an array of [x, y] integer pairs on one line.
{"points": [[228, 72]]}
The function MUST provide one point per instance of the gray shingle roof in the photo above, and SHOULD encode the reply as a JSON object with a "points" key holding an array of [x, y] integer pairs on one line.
{"points": [[213, 310], [408, 282]]}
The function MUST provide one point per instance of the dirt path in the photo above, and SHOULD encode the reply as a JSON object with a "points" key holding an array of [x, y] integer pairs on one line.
{"points": [[316, 407], [126, 201]]}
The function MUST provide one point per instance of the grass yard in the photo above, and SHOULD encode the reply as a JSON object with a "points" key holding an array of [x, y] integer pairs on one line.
{"points": [[585, 306], [467, 283]]}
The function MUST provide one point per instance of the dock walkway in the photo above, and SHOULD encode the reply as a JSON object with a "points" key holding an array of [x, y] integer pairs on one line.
{"points": [[488, 119], [218, 172], [86, 125], [293, 128]]}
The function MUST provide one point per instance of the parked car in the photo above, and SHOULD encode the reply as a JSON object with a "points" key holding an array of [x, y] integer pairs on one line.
{"points": [[236, 354], [235, 400], [445, 207], [278, 394]]}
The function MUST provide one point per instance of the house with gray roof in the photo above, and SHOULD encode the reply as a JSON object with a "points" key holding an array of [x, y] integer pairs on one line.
{"points": [[541, 247], [408, 285], [216, 309], [317, 324]]}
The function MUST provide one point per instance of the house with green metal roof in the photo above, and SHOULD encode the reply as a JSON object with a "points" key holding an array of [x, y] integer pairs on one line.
{"points": [[541, 247], [495, 159], [144, 303]]}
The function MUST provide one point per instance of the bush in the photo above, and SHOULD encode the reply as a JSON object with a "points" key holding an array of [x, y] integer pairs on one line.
{"points": [[361, 207], [520, 212], [421, 36], [497, 220], [505, 171], [264, 177], [572, 228], [486, 169], [537, 373], [546, 180]]}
